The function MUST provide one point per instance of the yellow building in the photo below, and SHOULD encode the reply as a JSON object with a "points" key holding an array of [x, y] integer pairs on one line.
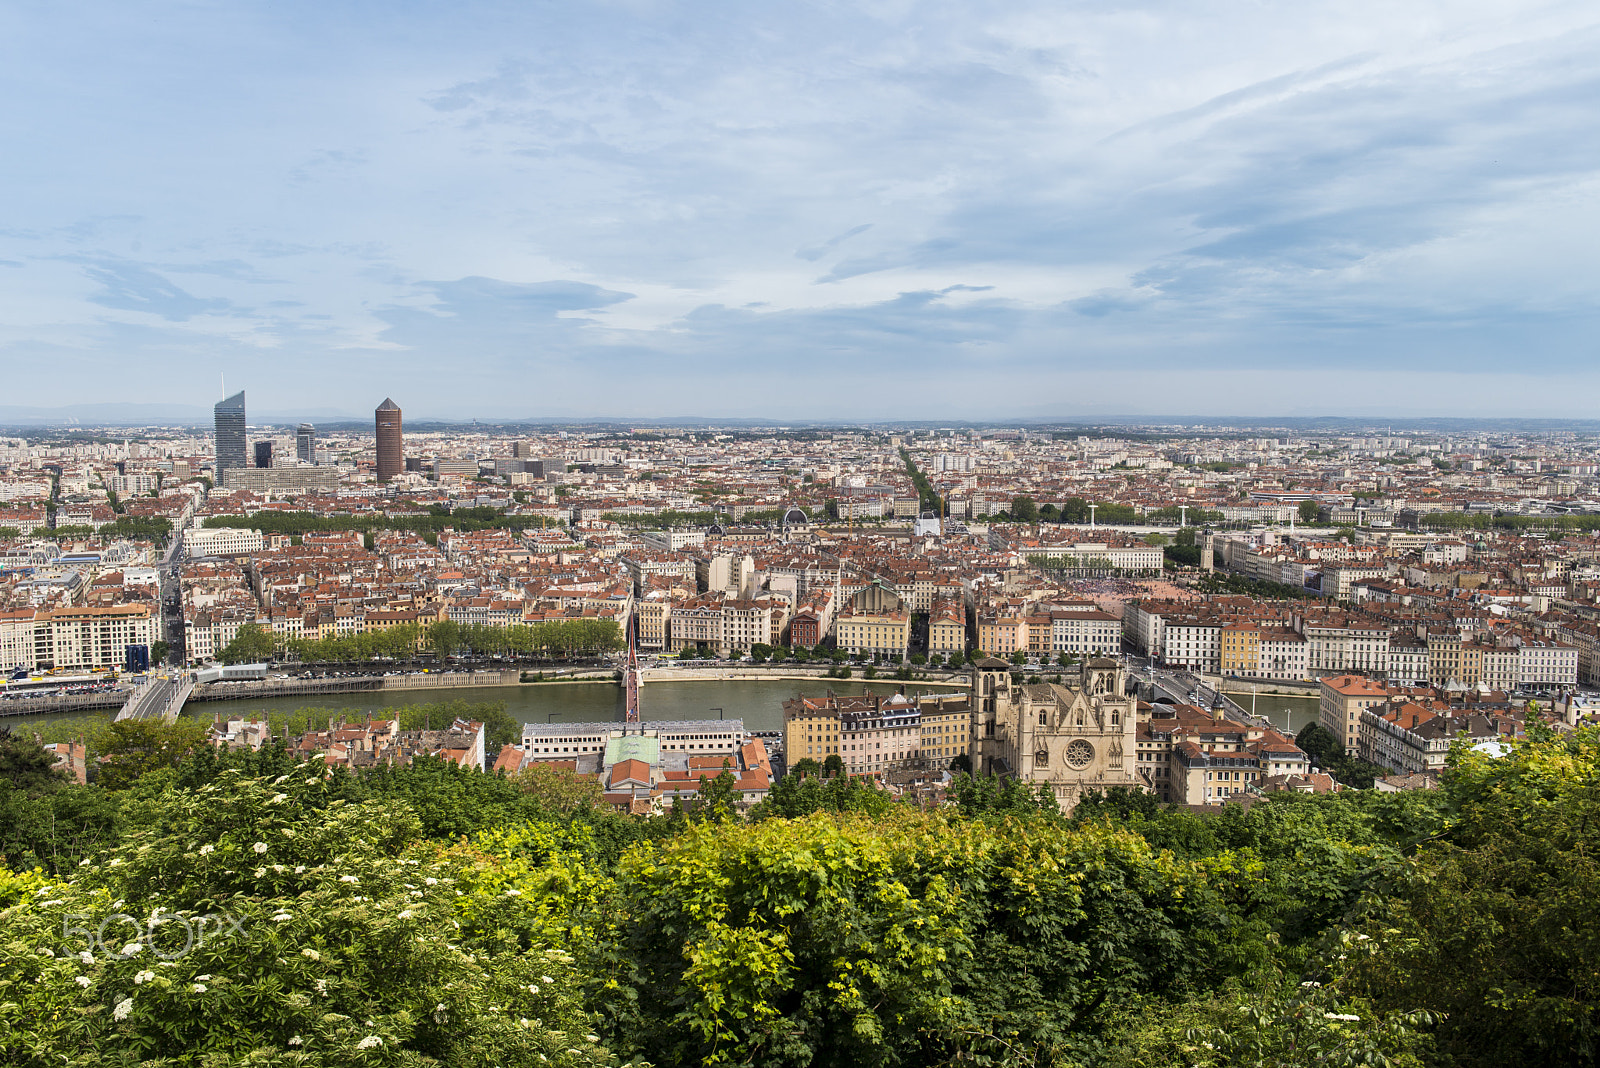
{"points": [[1241, 650]]}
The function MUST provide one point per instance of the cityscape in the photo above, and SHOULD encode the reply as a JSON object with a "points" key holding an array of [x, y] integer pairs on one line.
{"points": [[642, 535]]}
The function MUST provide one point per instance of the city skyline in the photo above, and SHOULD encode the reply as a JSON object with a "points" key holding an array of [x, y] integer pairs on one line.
{"points": [[655, 211]]}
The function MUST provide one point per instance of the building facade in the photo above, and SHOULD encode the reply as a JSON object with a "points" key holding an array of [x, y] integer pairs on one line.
{"points": [[232, 449], [1071, 738], [391, 454]]}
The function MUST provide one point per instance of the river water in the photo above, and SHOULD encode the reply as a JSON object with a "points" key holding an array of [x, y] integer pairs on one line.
{"points": [[759, 704]]}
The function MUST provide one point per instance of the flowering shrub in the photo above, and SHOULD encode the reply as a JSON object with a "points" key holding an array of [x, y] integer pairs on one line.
{"points": [[310, 932]]}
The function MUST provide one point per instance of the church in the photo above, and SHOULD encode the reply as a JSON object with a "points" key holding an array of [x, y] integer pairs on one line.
{"points": [[1074, 737]]}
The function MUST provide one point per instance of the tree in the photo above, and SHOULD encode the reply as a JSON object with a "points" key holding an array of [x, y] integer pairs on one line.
{"points": [[1185, 536], [1156, 541], [1075, 510], [136, 747], [158, 652], [1308, 511], [251, 645], [26, 767], [833, 765], [560, 790], [1019, 657], [1024, 510]]}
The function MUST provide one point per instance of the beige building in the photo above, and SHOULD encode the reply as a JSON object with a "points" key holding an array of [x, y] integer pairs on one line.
{"points": [[947, 628], [1342, 700], [1073, 738], [875, 621]]}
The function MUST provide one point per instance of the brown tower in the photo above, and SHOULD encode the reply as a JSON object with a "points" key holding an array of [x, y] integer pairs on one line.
{"points": [[391, 460]]}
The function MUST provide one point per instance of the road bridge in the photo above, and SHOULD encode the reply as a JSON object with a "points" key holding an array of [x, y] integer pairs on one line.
{"points": [[161, 697]]}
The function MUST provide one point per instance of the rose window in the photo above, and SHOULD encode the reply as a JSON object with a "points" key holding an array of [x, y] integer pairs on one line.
{"points": [[1079, 754]]}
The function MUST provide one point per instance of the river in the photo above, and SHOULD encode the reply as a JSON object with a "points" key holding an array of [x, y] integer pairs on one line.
{"points": [[759, 704]]}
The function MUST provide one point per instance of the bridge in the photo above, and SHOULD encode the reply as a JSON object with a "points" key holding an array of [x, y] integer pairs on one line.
{"points": [[158, 698]]}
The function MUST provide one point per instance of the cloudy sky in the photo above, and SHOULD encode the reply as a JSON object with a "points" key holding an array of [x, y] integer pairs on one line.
{"points": [[848, 210]]}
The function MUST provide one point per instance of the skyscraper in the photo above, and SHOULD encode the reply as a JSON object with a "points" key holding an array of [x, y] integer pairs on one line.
{"points": [[391, 459], [232, 449], [305, 443], [263, 454]]}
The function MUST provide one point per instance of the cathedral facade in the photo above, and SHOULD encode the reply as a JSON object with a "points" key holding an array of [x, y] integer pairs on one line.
{"points": [[1077, 738]]}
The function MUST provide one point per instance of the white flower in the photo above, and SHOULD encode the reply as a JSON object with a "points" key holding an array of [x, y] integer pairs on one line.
{"points": [[279, 868], [322, 986], [1363, 938], [296, 1041], [83, 863], [546, 979], [278, 799], [532, 989], [405, 915], [199, 988], [83, 981], [369, 1042], [431, 881], [1309, 982], [143, 977], [299, 869], [311, 954], [124, 1007], [1339, 1016], [348, 879], [281, 917], [260, 872], [260, 847], [115, 863], [86, 957], [204, 978], [592, 1038], [131, 948], [47, 951], [207, 849]]}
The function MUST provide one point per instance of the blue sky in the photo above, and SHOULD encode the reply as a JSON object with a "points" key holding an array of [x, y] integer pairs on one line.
{"points": [[854, 210]]}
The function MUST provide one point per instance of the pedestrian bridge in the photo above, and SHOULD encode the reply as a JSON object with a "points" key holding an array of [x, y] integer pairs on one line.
{"points": [[158, 698]]}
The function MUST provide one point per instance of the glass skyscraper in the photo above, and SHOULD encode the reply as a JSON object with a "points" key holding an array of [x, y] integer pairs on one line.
{"points": [[232, 449], [305, 443]]}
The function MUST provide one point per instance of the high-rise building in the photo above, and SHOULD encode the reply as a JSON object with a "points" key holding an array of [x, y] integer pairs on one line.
{"points": [[232, 449], [391, 458], [263, 454], [305, 443]]}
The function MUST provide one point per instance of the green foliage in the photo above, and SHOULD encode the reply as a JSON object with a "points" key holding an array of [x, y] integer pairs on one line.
{"points": [[1494, 922], [253, 644], [1327, 752], [1025, 510], [326, 936], [392, 643], [136, 747], [556, 639]]}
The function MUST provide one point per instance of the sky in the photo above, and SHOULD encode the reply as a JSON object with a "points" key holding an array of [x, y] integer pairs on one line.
{"points": [[863, 210]]}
